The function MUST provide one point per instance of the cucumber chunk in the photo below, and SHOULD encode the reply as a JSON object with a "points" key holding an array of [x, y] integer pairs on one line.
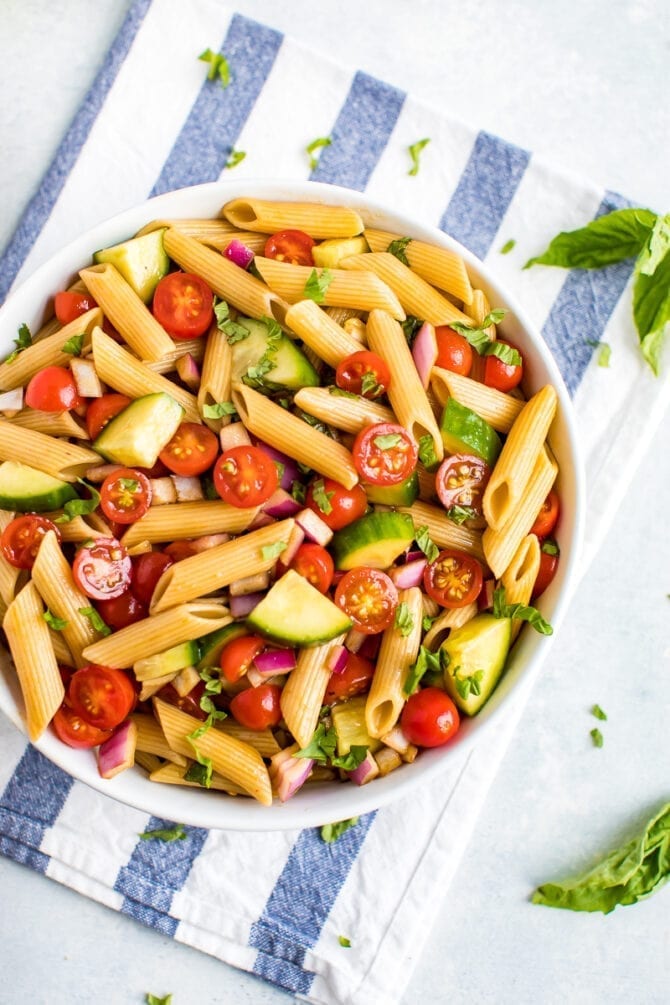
{"points": [[294, 612], [477, 653], [349, 722], [27, 490], [403, 494], [291, 367], [136, 436], [142, 262], [211, 645], [465, 432], [185, 654], [374, 540], [328, 254]]}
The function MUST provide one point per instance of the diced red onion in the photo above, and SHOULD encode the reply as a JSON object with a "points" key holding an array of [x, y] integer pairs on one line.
{"points": [[366, 770], [396, 740], [234, 435], [354, 640], [411, 574], [412, 554], [288, 773], [291, 470], [261, 520], [118, 753], [241, 606], [424, 351], [295, 539], [281, 504], [275, 661], [337, 660], [370, 646], [99, 473], [11, 401], [238, 253], [314, 527], [86, 378], [188, 371], [485, 598]]}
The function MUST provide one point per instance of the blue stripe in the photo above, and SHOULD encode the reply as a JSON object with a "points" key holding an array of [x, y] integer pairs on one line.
{"points": [[300, 903], [216, 119], [484, 192], [37, 787], [24, 855], [360, 134], [580, 313], [155, 872], [43, 201]]}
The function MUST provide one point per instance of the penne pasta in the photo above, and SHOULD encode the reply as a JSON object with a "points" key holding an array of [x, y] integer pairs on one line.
{"points": [[396, 655], [302, 695], [520, 575], [195, 347], [444, 532], [51, 423], [9, 574], [318, 331], [57, 458], [188, 520], [440, 267], [500, 410], [346, 413], [48, 351], [316, 220], [445, 622], [151, 740], [174, 774], [216, 375]]}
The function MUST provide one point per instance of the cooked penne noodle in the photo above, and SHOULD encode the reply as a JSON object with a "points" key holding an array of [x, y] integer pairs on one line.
{"points": [[317, 330], [51, 423], [195, 347], [48, 351], [174, 774], [302, 695], [500, 410], [406, 393], [444, 532], [229, 756], [53, 578], [286, 432], [248, 294], [61, 651], [445, 622], [396, 655], [262, 740], [151, 740], [314, 219], [149, 762], [349, 414], [206, 230], [157, 632], [480, 308], [34, 659], [345, 288], [217, 567], [188, 520], [416, 296], [516, 462], [130, 376], [9, 574], [440, 267], [215, 379], [57, 458], [520, 575], [340, 315], [127, 312], [81, 528]]}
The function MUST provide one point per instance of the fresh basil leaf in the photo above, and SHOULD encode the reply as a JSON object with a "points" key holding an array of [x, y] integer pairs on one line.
{"points": [[272, 551], [214, 714], [218, 410], [322, 745], [80, 507], [459, 514], [399, 249], [341, 393], [598, 713], [472, 684], [150, 999], [651, 310], [508, 246], [425, 661], [403, 619], [317, 285], [218, 66], [321, 497], [57, 624], [24, 341], [597, 738], [479, 340], [425, 543], [369, 385], [200, 773], [604, 351], [176, 833], [427, 622], [656, 248], [205, 775], [317, 144], [95, 619], [414, 150], [233, 331], [410, 327], [427, 454], [549, 547], [331, 832], [387, 441], [351, 760], [236, 157], [344, 941], [609, 239], [129, 484], [520, 612], [299, 491], [74, 345]]}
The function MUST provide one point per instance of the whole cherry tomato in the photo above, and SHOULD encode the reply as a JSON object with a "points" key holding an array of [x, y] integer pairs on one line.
{"points": [[147, 570], [336, 505], [454, 352], [547, 518], [238, 655], [69, 306], [502, 376], [354, 679], [257, 707], [429, 718], [52, 389]]}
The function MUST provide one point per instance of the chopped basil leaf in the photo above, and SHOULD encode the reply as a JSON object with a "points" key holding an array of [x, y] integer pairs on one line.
{"points": [[403, 619], [254, 377], [322, 745], [340, 393], [351, 760], [604, 351], [427, 621], [255, 374], [316, 285], [79, 507], [200, 773], [426, 543], [299, 491], [410, 327], [281, 468], [507, 246], [480, 341], [204, 777], [233, 331], [598, 712], [321, 497], [176, 833], [387, 441], [207, 705], [459, 514], [129, 484], [211, 678], [331, 832], [399, 248], [344, 941], [427, 454], [58, 624], [317, 144], [218, 66], [468, 685], [150, 999], [74, 345], [369, 385], [425, 661], [218, 410], [519, 611], [208, 488], [597, 737], [24, 341], [272, 551], [95, 619], [549, 547], [236, 157], [414, 150]]}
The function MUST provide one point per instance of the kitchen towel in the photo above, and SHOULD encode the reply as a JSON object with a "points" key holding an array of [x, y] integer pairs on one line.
{"points": [[277, 904]]}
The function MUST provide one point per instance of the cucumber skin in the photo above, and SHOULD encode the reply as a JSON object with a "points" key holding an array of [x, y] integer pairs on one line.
{"points": [[142, 261], [115, 442], [352, 546], [21, 500], [403, 494], [465, 432], [212, 644], [496, 656]]}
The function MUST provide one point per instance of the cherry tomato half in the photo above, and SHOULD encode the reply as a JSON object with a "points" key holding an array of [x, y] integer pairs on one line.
{"points": [[453, 579], [52, 390], [102, 696], [147, 570], [354, 679], [315, 564], [363, 373], [461, 480], [293, 246], [547, 518], [545, 574], [429, 718], [69, 306], [502, 376], [103, 570], [336, 505], [22, 537], [384, 454], [369, 597], [71, 729], [122, 611], [125, 495], [454, 352], [257, 707], [245, 476], [238, 655], [192, 450], [183, 305], [102, 410]]}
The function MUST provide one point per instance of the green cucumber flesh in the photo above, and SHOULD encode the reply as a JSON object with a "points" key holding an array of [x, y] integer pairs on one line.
{"points": [[142, 261], [374, 541], [294, 612], [26, 490], [186, 654], [136, 436], [292, 369], [211, 645], [478, 650], [465, 432], [403, 494]]}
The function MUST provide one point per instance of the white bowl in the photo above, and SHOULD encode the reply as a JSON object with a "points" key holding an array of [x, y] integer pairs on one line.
{"points": [[317, 804]]}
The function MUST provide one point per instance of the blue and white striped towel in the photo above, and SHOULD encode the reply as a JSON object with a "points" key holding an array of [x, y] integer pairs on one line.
{"points": [[282, 921]]}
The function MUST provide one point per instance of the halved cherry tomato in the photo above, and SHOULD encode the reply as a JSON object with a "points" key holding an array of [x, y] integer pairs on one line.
{"points": [[147, 570], [546, 572], [22, 537], [69, 306], [461, 480], [315, 564], [238, 655], [454, 352], [547, 518], [354, 679], [336, 505], [453, 579], [70, 728], [189, 703], [293, 246], [369, 597], [125, 495], [502, 376], [183, 305], [257, 707], [52, 390], [122, 611], [363, 373], [102, 696], [102, 410], [177, 551], [384, 454], [103, 570], [429, 718], [245, 476], [192, 450]]}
